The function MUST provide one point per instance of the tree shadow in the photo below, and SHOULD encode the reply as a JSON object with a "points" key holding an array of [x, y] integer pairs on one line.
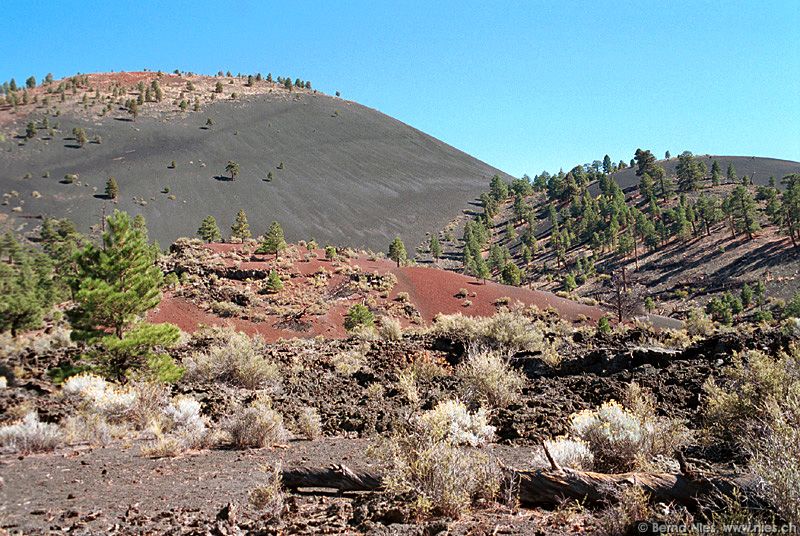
{"points": [[104, 197], [223, 178], [72, 146], [126, 119]]}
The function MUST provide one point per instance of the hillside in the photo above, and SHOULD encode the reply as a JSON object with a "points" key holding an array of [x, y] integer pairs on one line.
{"points": [[679, 265], [317, 292], [324, 167]]}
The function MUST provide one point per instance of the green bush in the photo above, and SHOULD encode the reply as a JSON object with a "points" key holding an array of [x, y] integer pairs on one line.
{"points": [[358, 316]]}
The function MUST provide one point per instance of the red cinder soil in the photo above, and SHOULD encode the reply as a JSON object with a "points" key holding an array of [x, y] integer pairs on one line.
{"points": [[430, 290]]}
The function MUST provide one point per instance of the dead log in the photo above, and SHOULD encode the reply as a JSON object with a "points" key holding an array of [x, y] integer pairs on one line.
{"points": [[548, 487]]}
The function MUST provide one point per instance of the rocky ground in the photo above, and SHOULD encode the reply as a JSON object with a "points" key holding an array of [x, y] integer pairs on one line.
{"points": [[117, 489]]}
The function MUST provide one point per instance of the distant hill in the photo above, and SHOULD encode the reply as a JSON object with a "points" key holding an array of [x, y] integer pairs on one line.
{"points": [[759, 169], [341, 172]]}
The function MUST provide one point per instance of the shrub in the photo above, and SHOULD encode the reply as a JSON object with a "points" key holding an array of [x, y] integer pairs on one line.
{"points": [[30, 435], [89, 428], [269, 497], [749, 387], [348, 362], [487, 378], [433, 459], [699, 324], [567, 453], [101, 397], [776, 455], [621, 438], [185, 429], [256, 426], [225, 309], [357, 316], [309, 424], [603, 326], [237, 361], [390, 329], [512, 331]]}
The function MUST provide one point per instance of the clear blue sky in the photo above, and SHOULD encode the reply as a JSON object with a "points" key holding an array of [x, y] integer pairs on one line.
{"points": [[525, 86]]}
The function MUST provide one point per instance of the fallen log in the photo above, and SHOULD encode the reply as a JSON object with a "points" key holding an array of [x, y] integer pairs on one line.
{"points": [[548, 487]]}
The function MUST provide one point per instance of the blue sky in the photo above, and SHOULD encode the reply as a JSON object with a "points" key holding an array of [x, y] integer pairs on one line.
{"points": [[525, 85]]}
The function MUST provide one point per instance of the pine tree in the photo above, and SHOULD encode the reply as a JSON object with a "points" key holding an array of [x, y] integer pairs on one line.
{"points": [[664, 183], [112, 189], [26, 286], [708, 211], [647, 186], [397, 251], [232, 168], [240, 228], [481, 269], [218, 88], [511, 274], [61, 242], [30, 130], [716, 173], [209, 230], [731, 175], [273, 241], [273, 283], [434, 247], [790, 201], [743, 211], [644, 161], [607, 164], [498, 188], [690, 172], [119, 281]]}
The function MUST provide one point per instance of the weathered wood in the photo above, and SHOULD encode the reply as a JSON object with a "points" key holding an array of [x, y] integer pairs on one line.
{"points": [[338, 477], [547, 486]]}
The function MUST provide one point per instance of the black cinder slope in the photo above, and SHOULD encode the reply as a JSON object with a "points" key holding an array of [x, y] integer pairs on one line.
{"points": [[350, 175]]}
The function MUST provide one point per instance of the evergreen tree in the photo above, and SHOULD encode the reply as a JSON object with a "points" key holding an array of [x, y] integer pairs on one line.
{"points": [[667, 156], [790, 201], [119, 281], [26, 286], [511, 274], [232, 168], [112, 189], [743, 211], [61, 242], [708, 211], [716, 173], [644, 161], [690, 172], [358, 316], [664, 183], [746, 296], [30, 130], [273, 241], [481, 269], [607, 164], [647, 186], [397, 251], [240, 228], [434, 247], [209, 230], [498, 188], [218, 88], [274, 283], [731, 175]]}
